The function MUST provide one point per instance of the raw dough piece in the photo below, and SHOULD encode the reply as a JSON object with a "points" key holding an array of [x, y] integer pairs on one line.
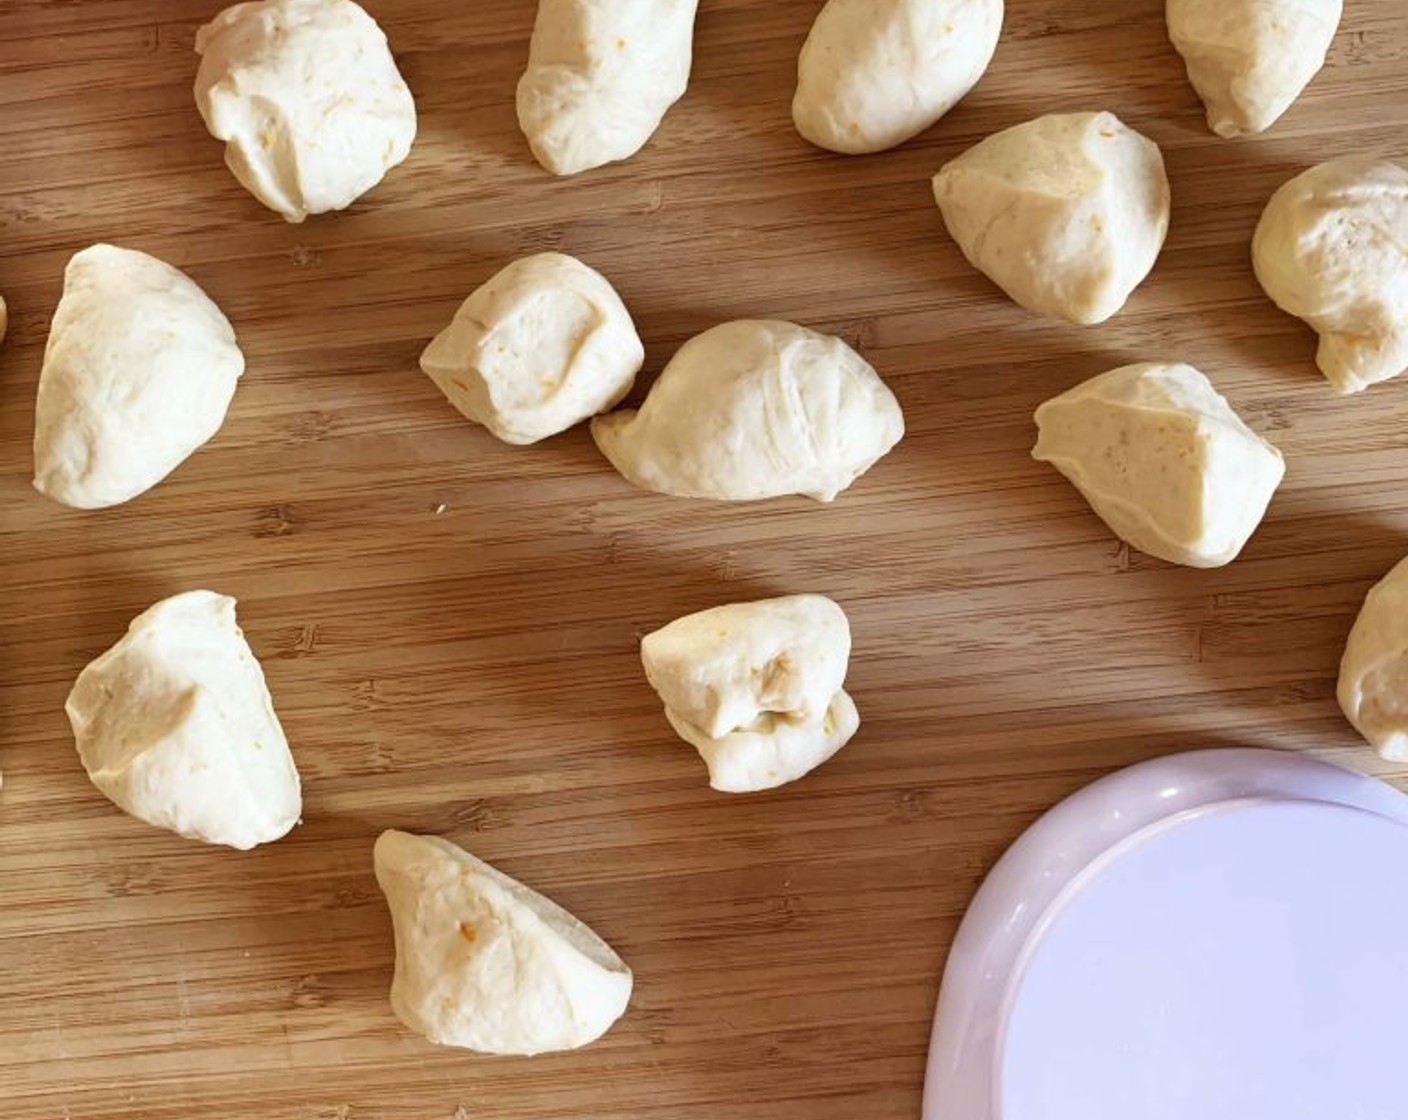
{"points": [[1373, 684], [1250, 59], [756, 687], [308, 100], [1066, 213], [542, 345], [138, 373], [1332, 248], [1163, 460], [601, 76], [755, 409], [4, 320], [485, 963], [175, 725], [873, 74]]}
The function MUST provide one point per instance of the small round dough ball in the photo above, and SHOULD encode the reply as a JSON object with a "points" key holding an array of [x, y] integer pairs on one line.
{"points": [[1066, 213], [175, 726], [755, 409], [756, 687], [1250, 59], [138, 373], [601, 76], [1373, 682], [1163, 460], [1332, 248], [874, 73], [485, 963], [308, 100], [545, 343]]}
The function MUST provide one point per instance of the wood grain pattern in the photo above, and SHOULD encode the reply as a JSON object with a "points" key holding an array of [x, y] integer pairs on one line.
{"points": [[473, 672]]}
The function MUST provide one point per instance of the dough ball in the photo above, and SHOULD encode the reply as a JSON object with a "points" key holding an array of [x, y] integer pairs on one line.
{"points": [[755, 409], [1163, 460], [542, 345], [4, 319], [308, 100], [1373, 684], [1066, 213], [139, 372], [1332, 248], [601, 76], [1249, 59], [175, 725], [485, 963], [874, 73], [756, 687]]}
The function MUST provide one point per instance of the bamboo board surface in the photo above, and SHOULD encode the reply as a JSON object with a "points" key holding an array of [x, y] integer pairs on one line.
{"points": [[449, 626]]}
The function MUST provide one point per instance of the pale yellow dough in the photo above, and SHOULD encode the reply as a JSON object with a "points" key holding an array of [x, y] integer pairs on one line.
{"points": [[874, 73], [543, 344], [1373, 680], [485, 963], [755, 409], [138, 373], [1066, 213], [756, 687], [1332, 248], [175, 725], [1250, 59], [308, 100], [601, 76], [1163, 460]]}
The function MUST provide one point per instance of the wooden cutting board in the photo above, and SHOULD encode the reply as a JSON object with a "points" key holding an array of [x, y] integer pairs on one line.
{"points": [[449, 626]]}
